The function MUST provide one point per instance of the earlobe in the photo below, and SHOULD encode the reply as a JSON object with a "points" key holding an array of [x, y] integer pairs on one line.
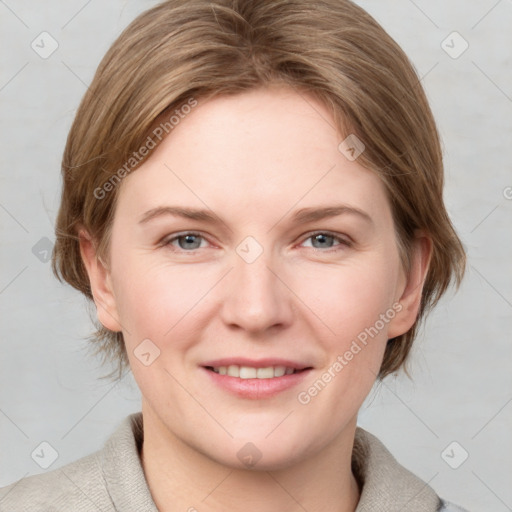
{"points": [[101, 284], [411, 292]]}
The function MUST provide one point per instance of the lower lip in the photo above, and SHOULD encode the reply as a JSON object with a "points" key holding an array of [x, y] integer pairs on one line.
{"points": [[256, 389]]}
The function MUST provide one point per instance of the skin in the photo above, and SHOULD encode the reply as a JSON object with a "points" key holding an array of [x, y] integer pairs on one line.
{"points": [[253, 160]]}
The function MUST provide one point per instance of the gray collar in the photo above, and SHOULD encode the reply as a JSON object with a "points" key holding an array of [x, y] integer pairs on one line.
{"points": [[122, 468], [386, 485]]}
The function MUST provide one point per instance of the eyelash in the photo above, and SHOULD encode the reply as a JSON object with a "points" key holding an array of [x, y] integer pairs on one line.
{"points": [[343, 243]]}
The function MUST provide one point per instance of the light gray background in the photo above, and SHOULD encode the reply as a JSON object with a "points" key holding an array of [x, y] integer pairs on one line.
{"points": [[461, 391]]}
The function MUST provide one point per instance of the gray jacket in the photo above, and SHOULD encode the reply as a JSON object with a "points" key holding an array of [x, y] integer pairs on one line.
{"points": [[112, 480]]}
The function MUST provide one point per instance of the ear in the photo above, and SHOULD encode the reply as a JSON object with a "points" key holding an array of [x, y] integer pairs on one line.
{"points": [[411, 287], [101, 283]]}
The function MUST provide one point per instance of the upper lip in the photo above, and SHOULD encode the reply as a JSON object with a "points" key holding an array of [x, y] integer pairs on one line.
{"points": [[255, 363]]}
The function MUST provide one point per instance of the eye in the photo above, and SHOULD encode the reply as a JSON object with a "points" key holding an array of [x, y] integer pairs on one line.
{"points": [[190, 241], [325, 240], [186, 241]]}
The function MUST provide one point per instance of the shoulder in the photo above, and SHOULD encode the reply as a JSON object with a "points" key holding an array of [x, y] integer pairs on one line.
{"points": [[75, 486], [108, 480], [450, 507], [387, 485]]}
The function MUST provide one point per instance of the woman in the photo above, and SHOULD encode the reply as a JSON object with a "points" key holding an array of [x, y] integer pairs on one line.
{"points": [[253, 200]]}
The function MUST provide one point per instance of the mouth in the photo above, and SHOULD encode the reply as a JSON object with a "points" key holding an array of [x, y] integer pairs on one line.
{"points": [[255, 379], [251, 372]]}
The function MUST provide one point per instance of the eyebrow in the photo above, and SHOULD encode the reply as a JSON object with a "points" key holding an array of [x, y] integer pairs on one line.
{"points": [[306, 215], [302, 216], [179, 211]]}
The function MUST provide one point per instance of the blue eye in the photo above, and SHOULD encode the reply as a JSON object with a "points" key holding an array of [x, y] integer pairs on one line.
{"points": [[190, 241], [325, 240], [186, 241]]}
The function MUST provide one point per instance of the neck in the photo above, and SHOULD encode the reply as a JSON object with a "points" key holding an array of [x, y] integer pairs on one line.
{"points": [[181, 478]]}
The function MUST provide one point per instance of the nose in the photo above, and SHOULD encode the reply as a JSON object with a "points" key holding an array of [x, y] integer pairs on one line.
{"points": [[257, 298]]}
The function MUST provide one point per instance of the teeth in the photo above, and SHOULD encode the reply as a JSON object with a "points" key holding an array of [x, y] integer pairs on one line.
{"points": [[266, 373], [233, 371], [247, 372], [279, 371]]}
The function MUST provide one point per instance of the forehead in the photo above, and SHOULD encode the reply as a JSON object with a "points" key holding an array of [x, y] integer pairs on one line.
{"points": [[260, 150]]}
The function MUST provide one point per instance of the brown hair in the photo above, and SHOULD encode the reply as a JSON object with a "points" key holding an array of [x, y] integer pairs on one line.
{"points": [[329, 49]]}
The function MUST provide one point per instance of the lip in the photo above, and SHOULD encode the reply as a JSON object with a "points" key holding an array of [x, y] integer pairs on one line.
{"points": [[256, 389], [256, 363]]}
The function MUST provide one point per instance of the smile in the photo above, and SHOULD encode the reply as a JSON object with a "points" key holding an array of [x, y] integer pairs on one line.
{"points": [[249, 372], [255, 379]]}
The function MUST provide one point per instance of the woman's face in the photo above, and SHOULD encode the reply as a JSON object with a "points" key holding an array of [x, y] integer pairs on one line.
{"points": [[249, 243]]}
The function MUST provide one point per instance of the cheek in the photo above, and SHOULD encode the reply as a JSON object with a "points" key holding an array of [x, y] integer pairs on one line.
{"points": [[158, 300], [355, 304], [352, 298], [160, 303]]}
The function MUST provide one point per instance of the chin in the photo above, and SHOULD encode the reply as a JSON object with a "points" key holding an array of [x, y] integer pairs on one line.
{"points": [[251, 458], [255, 453]]}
